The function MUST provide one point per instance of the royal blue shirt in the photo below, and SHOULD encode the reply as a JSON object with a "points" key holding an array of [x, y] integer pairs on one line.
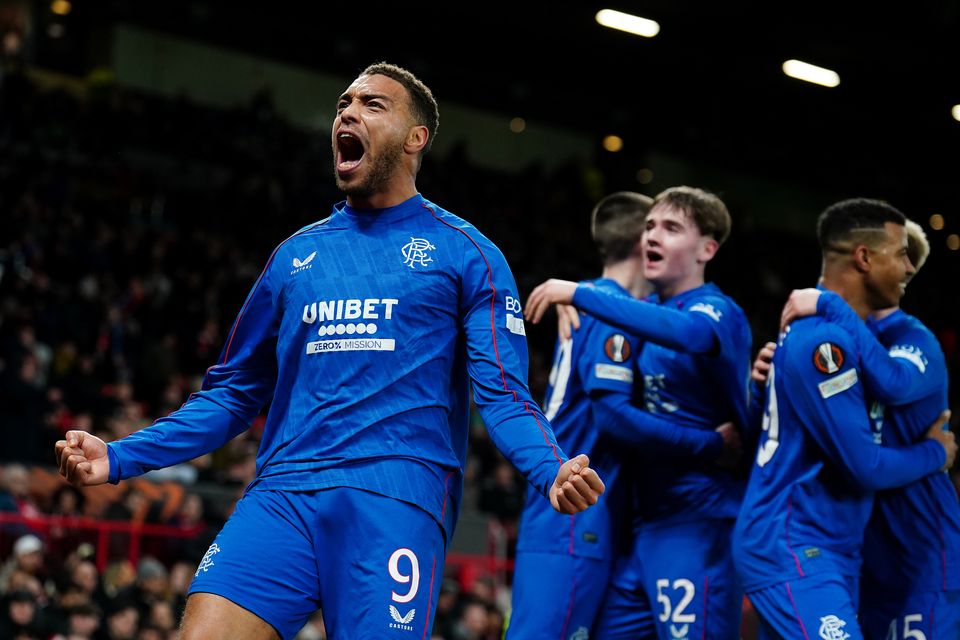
{"points": [[588, 405], [364, 332], [695, 365], [912, 541], [810, 492]]}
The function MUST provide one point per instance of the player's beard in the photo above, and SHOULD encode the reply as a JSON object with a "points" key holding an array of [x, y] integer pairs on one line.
{"points": [[380, 172]]}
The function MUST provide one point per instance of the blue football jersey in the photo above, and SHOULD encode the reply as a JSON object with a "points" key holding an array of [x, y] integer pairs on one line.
{"points": [[597, 356], [363, 333], [913, 537], [810, 492], [701, 390]]}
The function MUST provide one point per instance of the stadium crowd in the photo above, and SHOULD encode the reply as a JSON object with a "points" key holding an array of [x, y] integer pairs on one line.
{"points": [[132, 228]]}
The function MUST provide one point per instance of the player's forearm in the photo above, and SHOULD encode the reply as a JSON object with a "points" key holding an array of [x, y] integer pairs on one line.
{"points": [[893, 381], [670, 328], [890, 467], [525, 438], [199, 427], [616, 417]]}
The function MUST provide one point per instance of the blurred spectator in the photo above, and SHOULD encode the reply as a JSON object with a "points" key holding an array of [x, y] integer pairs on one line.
{"points": [[472, 623], [27, 559], [123, 619], [19, 615]]}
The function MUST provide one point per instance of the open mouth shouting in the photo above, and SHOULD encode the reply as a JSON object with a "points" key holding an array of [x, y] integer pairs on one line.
{"points": [[350, 152]]}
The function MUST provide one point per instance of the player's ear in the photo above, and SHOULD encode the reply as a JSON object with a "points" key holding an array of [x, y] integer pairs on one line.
{"points": [[416, 139], [861, 258], [708, 249]]}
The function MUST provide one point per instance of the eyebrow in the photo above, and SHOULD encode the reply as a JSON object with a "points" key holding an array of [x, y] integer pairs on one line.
{"points": [[365, 97]]}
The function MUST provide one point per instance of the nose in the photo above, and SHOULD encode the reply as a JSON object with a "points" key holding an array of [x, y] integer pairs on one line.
{"points": [[910, 269], [349, 112]]}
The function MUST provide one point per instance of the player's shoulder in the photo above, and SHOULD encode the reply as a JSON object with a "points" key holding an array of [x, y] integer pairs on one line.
{"points": [[299, 249], [458, 229], [805, 338], [907, 337], [711, 301]]}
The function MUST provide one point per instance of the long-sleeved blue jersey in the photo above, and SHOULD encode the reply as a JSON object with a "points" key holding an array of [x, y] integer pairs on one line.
{"points": [[913, 538], [588, 405], [810, 493], [695, 365], [363, 332], [912, 541]]}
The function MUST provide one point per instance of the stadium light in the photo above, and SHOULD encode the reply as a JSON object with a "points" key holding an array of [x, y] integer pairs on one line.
{"points": [[953, 242], [517, 125], [60, 7], [956, 111], [625, 22], [613, 143], [936, 222], [811, 73]]}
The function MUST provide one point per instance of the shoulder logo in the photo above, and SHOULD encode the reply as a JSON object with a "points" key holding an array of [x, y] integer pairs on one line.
{"points": [[831, 628], [707, 309], [617, 347], [415, 252], [297, 262], [207, 560], [911, 354], [828, 358]]}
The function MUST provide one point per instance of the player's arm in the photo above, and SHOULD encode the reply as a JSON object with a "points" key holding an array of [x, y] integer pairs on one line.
{"points": [[668, 327], [891, 377], [232, 394], [678, 330], [606, 366], [497, 363], [833, 406]]}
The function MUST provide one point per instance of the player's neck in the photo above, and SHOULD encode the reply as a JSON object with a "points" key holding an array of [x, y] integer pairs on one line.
{"points": [[629, 275], [399, 189], [884, 313], [674, 288], [849, 286]]}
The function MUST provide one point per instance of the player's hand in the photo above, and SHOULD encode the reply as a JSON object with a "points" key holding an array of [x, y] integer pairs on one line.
{"points": [[82, 459], [552, 291], [732, 446], [761, 366], [944, 437], [577, 486], [801, 303], [568, 321]]}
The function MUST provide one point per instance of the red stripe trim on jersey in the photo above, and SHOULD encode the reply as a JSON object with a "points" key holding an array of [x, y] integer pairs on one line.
{"points": [[786, 535], [236, 325], [796, 611], [493, 330], [426, 621], [943, 548]]}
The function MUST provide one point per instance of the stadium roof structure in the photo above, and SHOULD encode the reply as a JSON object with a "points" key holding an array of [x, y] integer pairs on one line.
{"points": [[709, 87]]}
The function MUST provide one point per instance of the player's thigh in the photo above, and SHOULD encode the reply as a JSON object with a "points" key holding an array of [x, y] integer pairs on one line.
{"points": [[262, 561], [917, 616], [212, 617], [555, 595], [380, 564], [690, 580], [818, 606]]}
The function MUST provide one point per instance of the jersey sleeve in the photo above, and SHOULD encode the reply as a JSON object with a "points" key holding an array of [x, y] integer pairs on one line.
{"points": [[895, 377], [671, 328], [617, 417], [821, 378], [232, 394], [497, 363]]}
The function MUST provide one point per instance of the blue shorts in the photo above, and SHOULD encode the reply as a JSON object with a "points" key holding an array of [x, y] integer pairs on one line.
{"points": [[823, 605], [935, 614], [681, 577], [372, 563], [555, 595]]}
